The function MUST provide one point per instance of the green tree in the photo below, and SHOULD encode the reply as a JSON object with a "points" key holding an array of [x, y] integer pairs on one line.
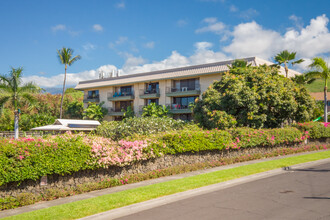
{"points": [[75, 110], [303, 79], [285, 57], [253, 97], [13, 90], [95, 111], [65, 57], [321, 69], [155, 110]]}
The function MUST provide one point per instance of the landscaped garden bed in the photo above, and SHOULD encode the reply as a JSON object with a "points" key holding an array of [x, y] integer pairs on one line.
{"points": [[75, 163]]}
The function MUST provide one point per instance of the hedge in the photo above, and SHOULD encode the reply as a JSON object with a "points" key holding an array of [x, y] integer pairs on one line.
{"points": [[30, 158], [315, 129]]}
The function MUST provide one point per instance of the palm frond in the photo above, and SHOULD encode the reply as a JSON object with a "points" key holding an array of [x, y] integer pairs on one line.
{"points": [[297, 61], [29, 87], [3, 100], [74, 59]]}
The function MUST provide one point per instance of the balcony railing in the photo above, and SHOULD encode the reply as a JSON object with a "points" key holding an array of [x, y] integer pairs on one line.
{"points": [[120, 96], [149, 93], [183, 91], [179, 108], [115, 112], [91, 98]]}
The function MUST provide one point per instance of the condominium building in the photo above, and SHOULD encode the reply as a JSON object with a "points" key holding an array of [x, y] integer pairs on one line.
{"points": [[174, 88]]}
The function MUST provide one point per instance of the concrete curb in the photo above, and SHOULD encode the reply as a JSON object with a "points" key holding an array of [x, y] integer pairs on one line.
{"points": [[138, 207]]}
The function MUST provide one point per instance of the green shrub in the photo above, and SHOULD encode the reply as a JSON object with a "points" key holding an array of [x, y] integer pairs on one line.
{"points": [[117, 130], [315, 129], [30, 158]]}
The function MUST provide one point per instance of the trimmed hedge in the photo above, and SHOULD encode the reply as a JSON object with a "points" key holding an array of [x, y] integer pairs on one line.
{"points": [[315, 129], [30, 158]]}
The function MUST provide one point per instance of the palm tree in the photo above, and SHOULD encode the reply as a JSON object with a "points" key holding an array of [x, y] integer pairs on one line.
{"points": [[13, 91], [65, 56], [286, 57], [321, 70]]}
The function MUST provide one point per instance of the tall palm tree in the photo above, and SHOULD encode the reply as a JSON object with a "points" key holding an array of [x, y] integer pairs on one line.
{"points": [[12, 90], [321, 69], [285, 57], [65, 56]]}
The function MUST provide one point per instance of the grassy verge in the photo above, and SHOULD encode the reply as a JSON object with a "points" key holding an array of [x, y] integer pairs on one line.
{"points": [[99, 204]]}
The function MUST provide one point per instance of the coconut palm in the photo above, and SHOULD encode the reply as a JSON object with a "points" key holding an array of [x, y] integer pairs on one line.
{"points": [[285, 57], [65, 56], [14, 91], [321, 69]]}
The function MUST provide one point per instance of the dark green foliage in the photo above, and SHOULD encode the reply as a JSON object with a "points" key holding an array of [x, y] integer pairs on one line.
{"points": [[129, 113], [36, 120], [137, 126], [95, 112], [75, 110], [256, 97]]}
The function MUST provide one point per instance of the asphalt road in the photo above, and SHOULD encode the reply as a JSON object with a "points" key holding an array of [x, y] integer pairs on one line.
{"points": [[295, 194]]}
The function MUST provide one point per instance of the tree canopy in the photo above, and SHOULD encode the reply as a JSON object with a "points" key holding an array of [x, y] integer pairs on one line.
{"points": [[253, 97]]}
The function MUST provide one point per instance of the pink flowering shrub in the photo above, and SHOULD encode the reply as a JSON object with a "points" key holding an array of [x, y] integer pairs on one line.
{"points": [[248, 137], [109, 153], [315, 129]]}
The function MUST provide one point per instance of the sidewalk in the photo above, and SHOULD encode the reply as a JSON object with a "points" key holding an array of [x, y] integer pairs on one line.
{"points": [[93, 194]]}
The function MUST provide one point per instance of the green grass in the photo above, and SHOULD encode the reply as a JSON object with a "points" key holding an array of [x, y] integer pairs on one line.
{"points": [[316, 86], [103, 203]]}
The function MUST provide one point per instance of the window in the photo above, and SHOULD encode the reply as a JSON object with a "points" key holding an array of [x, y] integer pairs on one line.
{"points": [[93, 94], [149, 101], [186, 84], [183, 102], [152, 88], [126, 90], [122, 105]]}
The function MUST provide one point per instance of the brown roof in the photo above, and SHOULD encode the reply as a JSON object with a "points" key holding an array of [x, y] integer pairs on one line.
{"points": [[319, 95], [196, 70]]}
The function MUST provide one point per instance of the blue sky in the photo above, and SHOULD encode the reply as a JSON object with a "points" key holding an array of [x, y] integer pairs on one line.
{"points": [[144, 35]]}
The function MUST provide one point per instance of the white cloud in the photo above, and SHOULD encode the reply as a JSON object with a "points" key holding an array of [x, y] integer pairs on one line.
{"points": [[233, 8], [59, 27], [212, 26], [89, 46], [149, 45], [121, 5], [249, 13], [97, 28], [251, 39], [181, 23], [297, 21]]}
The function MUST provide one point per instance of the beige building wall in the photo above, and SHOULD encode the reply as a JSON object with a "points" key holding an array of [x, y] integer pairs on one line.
{"points": [[207, 80]]}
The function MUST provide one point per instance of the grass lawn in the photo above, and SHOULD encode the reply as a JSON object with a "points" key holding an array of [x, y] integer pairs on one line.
{"points": [[103, 203], [316, 86]]}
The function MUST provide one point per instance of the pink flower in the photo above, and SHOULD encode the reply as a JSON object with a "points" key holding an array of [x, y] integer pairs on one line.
{"points": [[273, 138]]}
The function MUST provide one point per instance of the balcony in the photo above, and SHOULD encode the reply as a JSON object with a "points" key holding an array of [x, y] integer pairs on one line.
{"points": [[179, 109], [183, 91], [91, 98], [149, 93], [115, 112], [120, 96]]}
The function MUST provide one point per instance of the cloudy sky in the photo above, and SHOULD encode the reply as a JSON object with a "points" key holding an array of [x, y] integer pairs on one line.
{"points": [[137, 36]]}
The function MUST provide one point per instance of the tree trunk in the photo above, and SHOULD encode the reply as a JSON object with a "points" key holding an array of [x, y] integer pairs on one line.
{"points": [[16, 123], [61, 109], [325, 105], [286, 70]]}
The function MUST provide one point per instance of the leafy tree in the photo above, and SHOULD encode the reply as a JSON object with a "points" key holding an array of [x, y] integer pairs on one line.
{"points": [[75, 110], [303, 79], [65, 57], [95, 111], [36, 120], [254, 96], [129, 112], [285, 57], [155, 110], [239, 64], [321, 69], [13, 90]]}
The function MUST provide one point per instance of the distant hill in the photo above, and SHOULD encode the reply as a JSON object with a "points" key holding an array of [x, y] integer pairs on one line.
{"points": [[54, 90]]}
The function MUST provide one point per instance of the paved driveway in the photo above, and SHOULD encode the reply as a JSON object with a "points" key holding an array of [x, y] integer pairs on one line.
{"points": [[295, 194]]}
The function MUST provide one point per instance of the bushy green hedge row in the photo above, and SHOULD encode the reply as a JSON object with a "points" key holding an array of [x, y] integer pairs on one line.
{"points": [[31, 158], [315, 129], [117, 130]]}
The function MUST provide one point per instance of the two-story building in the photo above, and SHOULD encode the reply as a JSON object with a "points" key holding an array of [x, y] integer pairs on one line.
{"points": [[174, 88]]}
